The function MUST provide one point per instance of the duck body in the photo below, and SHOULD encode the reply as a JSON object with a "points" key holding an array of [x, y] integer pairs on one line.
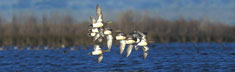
{"points": [[107, 32], [142, 43], [97, 52], [95, 30], [130, 41], [98, 25], [92, 34], [120, 36]]}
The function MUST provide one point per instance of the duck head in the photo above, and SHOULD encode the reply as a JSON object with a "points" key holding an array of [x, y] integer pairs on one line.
{"points": [[107, 31]]}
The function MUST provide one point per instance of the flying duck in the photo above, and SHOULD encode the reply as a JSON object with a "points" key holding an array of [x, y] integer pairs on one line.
{"points": [[98, 51], [130, 41], [109, 37], [137, 37], [121, 37], [143, 43]]}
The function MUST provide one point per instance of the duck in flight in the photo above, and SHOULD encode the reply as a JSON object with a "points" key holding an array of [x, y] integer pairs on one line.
{"points": [[143, 43], [109, 37], [137, 38], [98, 24], [98, 31], [98, 51], [94, 32], [121, 37], [130, 41]]}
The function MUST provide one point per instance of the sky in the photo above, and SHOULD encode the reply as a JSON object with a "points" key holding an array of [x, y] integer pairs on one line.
{"points": [[216, 10]]}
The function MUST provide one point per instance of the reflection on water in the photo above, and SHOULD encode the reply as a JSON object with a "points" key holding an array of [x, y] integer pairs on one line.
{"points": [[173, 57]]}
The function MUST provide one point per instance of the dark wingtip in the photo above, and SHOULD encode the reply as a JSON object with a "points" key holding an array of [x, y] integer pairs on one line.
{"points": [[146, 33]]}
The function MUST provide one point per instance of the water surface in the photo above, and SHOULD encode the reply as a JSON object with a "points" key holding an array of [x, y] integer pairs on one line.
{"points": [[172, 57]]}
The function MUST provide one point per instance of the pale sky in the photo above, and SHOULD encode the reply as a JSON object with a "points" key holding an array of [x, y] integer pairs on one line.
{"points": [[216, 10]]}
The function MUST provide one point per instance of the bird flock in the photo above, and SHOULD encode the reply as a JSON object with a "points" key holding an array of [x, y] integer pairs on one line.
{"points": [[99, 31]]}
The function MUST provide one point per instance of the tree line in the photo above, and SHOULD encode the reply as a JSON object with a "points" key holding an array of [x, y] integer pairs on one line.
{"points": [[63, 30]]}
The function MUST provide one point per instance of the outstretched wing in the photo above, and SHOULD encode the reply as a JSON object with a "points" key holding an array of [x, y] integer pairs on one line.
{"points": [[96, 37], [100, 58], [99, 13], [145, 51], [92, 19], [101, 32], [122, 46], [129, 49], [145, 55], [136, 47], [109, 41], [142, 34]]}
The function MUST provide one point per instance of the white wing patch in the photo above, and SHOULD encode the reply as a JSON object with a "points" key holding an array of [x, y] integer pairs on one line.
{"points": [[109, 41], [100, 58], [122, 46], [129, 49], [96, 37]]}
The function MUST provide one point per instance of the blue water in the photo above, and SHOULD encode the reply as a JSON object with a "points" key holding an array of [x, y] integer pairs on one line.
{"points": [[171, 57]]}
